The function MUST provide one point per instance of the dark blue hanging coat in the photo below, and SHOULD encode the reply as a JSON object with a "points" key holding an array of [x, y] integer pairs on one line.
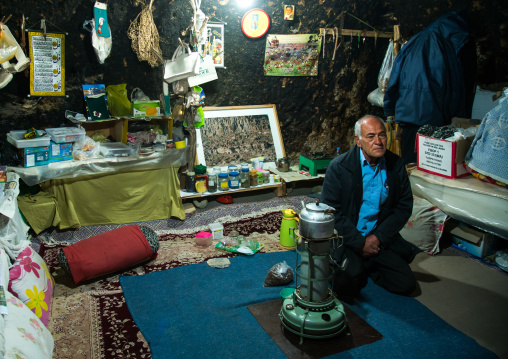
{"points": [[427, 84]]}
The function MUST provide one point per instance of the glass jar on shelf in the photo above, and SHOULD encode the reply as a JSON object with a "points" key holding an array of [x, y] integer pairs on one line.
{"points": [[212, 182], [234, 180], [190, 182], [260, 178], [201, 183], [223, 181], [266, 176], [244, 178], [253, 176]]}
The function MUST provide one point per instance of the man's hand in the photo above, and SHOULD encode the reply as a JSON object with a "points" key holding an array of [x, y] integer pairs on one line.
{"points": [[370, 247]]}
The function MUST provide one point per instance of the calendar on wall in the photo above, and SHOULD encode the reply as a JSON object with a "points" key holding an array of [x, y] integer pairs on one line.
{"points": [[47, 65]]}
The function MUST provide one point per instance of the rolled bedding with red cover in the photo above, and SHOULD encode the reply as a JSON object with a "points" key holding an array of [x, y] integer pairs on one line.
{"points": [[109, 252]]}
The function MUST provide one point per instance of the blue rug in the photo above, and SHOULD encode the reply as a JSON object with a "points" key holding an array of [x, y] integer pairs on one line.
{"points": [[196, 311]]}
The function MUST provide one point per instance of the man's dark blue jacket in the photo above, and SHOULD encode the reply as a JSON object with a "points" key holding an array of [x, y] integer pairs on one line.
{"points": [[427, 84], [343, 190]]}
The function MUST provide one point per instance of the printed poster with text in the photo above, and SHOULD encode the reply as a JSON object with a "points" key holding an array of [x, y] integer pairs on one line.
{"points": [[47, 65], [292, 55]]}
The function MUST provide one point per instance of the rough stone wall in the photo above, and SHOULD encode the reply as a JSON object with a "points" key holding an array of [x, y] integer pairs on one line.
{"points": [[315, 113]]}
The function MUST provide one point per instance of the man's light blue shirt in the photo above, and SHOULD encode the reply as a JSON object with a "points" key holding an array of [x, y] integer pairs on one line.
{"points": [[375, 193]]}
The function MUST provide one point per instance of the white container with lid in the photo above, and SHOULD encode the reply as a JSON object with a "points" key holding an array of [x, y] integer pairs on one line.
{"points": [[217, 230], [66, 134]]}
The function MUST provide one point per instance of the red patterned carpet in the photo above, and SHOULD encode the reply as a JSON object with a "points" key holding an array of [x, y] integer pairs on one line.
{"points": [[91, 320]]}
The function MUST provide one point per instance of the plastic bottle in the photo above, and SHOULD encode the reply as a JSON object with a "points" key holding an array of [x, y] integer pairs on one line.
{"points": [[338, 151]]}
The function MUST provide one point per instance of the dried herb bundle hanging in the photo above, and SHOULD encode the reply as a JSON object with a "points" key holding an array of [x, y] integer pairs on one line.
{"points": [[145, 37]]}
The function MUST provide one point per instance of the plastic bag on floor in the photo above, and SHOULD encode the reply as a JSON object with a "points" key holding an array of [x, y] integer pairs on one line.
{"points": [[279, 274]]}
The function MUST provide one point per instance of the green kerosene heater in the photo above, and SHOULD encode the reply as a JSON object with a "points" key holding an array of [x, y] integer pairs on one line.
{"points": [[312, 311]]}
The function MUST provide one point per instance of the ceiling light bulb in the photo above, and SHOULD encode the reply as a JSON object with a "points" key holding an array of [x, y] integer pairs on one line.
{"points": [[244, 3]]}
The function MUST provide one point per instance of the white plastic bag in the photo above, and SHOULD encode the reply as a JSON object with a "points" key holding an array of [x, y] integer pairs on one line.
{"points": [[181, 66], [101, 45], [376, 97], [8, 47], [386, 68], [207, 72], [13, 230]]}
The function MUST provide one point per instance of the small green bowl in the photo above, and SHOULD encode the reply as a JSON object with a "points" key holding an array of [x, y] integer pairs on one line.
{"points": [[286, 292]]}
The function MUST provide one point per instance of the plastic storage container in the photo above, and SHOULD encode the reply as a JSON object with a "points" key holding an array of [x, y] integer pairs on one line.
{"points": [[217, 230], [66, 134], [16, 139], [115, 149]]}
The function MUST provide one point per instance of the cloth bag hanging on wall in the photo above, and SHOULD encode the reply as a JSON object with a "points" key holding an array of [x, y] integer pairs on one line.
{"points": [[181, 66], [207, 72]]}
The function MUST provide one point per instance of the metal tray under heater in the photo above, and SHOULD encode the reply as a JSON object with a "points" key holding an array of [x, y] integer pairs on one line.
{"points": [[314, 163]]}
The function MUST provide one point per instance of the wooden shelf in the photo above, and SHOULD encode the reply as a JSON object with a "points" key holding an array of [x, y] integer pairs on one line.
{"points": [[117, 127], [279, 188]]}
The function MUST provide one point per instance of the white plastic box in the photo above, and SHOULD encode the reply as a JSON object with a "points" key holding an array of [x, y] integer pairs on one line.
{"points": [[217, 230], [16, 139], [66, 134]]}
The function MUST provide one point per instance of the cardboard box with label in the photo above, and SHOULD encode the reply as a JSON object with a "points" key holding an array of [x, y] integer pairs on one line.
{"points": [[34, 156], [474, 241], [60, 151], [442, 157], [146, 108]]}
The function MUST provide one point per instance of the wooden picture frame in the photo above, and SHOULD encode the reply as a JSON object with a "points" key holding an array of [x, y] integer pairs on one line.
{"points": [[233, 135]]}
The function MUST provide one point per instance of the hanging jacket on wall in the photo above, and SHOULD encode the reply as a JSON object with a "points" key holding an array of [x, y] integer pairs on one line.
{"points": [[428, 80]]}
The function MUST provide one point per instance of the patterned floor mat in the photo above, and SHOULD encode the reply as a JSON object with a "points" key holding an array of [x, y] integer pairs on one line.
{"points": [[91, 320]]}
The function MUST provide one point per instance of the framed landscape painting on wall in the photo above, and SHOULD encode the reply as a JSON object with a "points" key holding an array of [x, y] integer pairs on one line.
{"points": [[232, 135]]}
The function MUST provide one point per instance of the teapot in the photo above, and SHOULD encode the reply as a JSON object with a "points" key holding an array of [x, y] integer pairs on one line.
{"points": [[283, 164], [316, 220]]}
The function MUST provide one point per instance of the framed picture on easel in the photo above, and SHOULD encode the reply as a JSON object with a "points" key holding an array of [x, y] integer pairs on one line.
{"points": [[236, 134]]}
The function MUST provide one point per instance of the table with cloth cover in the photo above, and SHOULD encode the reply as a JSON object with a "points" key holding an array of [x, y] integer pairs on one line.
{"points": [[480, 204], [103, 191]]}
